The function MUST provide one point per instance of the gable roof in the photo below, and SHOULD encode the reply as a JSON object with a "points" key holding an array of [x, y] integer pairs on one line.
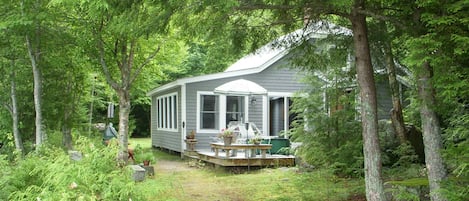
{"points": [[226, 74], [263, 57]]}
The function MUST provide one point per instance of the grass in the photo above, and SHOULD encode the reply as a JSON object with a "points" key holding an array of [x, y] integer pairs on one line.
{"points": [[413, 182], [208, 183], [145, 143]]}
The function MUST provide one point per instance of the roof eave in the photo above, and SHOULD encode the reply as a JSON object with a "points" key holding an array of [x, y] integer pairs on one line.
{"points": [[220, 75]]}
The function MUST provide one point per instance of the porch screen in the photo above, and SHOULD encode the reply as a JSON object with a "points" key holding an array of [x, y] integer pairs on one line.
{"points": [[167, 112], [208, 112]]}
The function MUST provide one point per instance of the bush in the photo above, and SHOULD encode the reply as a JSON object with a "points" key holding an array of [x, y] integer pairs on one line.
{"points": [[50, 174], [329, 140], [457, 156]]}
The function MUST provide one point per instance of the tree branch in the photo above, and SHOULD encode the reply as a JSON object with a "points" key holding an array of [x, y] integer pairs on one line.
{"points": [[8, 107], [140, 67], [104, 66], [382, 18]]}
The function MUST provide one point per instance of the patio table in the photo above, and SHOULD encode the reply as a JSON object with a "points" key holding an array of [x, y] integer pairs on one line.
{"points": [[262, 147]]}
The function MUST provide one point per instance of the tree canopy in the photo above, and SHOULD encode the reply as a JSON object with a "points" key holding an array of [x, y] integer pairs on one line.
{"points": [[63, 61]]}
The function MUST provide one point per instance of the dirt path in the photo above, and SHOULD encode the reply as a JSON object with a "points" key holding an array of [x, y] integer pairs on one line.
{"points": [[166, 166]]}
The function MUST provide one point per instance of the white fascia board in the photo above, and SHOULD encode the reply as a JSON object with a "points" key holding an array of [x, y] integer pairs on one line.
{"points": [[280, 94]]}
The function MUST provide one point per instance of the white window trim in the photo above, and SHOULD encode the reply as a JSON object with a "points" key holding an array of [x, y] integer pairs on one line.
{"points": [[221, 111], [164, 106], [286, 117], [199, 130]]}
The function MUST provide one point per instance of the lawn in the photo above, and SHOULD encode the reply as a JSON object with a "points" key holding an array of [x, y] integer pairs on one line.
{"points": [[175, 180], [143, 142]]}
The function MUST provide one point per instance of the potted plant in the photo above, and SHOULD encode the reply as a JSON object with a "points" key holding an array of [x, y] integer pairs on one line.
{"points": [[190, 141], [255, 140], [191, 135], [227, 135], [145, 157]]}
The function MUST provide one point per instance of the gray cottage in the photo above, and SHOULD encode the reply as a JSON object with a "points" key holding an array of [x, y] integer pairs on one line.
{"points": [[194, 104], [191, 104]]}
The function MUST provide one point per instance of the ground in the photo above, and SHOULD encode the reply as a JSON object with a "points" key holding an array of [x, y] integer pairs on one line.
{"points": [[195, 186], [190, 179]]}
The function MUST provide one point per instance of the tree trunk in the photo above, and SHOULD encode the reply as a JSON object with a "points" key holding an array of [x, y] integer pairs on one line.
{"points": [[369, 114], [431, 133], [14, 112], [34, 55], [124, 111], [396, 112], [67, 138]]}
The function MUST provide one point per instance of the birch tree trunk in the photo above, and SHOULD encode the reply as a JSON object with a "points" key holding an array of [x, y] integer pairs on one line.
{"points": [[14, 111], [124, 111], [431, 133], [34, 55], [369, 114]]}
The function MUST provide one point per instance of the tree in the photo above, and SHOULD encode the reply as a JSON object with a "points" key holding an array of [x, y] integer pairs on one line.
{"points": [[9, 69], [437, 48], [13, 109], [120, 31], [384, 51], [369, 110], [34, 47]]}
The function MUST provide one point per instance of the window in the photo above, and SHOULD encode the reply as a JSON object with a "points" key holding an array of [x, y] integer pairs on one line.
{"points": [[234, 109], [208, 112], [167, 112]]}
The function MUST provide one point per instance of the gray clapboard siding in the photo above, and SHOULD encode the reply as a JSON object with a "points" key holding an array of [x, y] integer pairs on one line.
{"points": [[166, 139], [274, 79]]}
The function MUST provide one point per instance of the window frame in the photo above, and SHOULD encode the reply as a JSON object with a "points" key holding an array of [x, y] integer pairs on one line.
{"points": [[167, 112], [217, 112], [241, 110]]}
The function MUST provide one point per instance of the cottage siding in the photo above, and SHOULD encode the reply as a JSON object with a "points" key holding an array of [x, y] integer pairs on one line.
{"points": [[274, 79], [170, 140], [278, 78], [255, 112]]}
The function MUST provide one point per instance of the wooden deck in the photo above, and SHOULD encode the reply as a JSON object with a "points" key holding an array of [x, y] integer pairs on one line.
{"points": [[242, 159]]}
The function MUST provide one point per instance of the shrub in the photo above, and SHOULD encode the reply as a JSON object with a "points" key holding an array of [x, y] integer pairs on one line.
{"points": [[50, 174], [457, 156], [329, 139]]}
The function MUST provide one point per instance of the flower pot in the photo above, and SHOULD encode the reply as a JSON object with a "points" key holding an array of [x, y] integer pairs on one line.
{"points": [[146, 163], [227, 140]]}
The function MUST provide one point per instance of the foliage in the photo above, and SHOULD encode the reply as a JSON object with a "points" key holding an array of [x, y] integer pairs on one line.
{"points": [[50, 174], [256, 139], [226, 133], [457, 155], [406, 155], [141, 155], [330, 135]]}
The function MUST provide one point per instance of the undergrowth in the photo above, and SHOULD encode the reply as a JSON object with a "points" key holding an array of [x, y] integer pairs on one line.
{"points": [[50, 174]]}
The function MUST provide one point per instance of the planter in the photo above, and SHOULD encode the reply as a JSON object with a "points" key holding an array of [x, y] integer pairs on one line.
{"points": [[146, 163], [227, 140], [190, 144]]}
